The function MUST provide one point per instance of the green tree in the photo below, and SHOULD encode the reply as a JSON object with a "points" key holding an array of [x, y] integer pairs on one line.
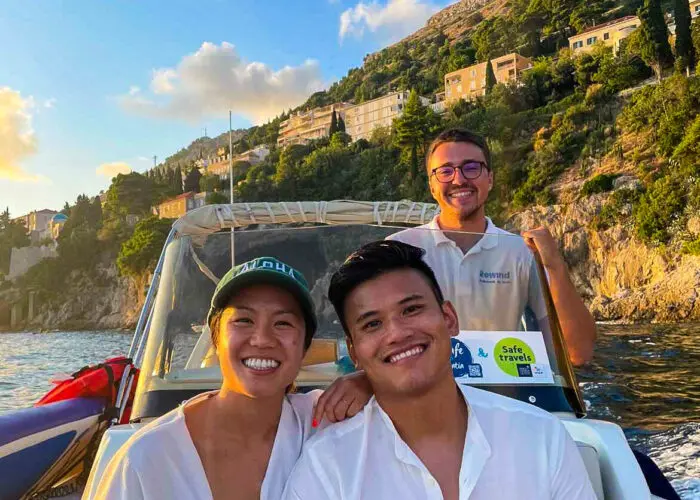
{"points": [[341, 124], [340, 140], [654, 48], [412, 130], [685, 52], [490, 77], [287, 171], [209, 183], [130, 194], [140, 252], [216, 197], [12, 235], [192, 180], [176, 181], [695, 36], [334, 124]]}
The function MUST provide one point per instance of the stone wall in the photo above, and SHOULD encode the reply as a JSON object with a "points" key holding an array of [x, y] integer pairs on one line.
{"points": [[22, 259]]}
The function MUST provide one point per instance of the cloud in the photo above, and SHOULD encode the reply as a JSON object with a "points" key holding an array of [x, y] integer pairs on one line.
{"points": [[215, 79], [110, 170], [50, 103], [17, 139], [133, 90], [392, 21]]}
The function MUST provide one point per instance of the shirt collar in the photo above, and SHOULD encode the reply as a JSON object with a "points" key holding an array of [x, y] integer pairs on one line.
{"points": [[474, 456], [487, 242]]}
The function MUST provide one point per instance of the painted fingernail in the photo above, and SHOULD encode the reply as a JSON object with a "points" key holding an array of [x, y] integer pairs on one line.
{"points": [[314, 423]]}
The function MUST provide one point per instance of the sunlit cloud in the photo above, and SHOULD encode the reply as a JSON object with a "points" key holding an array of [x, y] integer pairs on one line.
{"points": [[390, 22], [114, 168], [215, 79], [17, 138]]}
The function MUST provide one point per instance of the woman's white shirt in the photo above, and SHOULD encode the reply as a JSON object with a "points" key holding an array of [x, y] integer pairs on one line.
{"points": [[161, 461]]}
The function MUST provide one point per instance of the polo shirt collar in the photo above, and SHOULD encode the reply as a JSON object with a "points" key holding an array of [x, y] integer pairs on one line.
{"points": [[475, 454], [487, 242]]}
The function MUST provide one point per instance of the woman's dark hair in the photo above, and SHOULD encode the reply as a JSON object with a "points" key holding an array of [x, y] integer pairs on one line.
{"points": [[215, 324], [372, 260], [459, 135]]}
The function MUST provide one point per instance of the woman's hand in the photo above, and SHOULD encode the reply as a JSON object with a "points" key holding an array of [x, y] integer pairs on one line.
{"points": [[344, 398]]}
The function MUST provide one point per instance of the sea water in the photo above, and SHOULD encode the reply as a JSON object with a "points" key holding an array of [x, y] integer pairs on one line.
{"points": [[645, 378]]}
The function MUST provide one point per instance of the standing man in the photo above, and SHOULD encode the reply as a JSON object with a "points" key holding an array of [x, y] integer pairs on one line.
{"points": [[488, 273]]}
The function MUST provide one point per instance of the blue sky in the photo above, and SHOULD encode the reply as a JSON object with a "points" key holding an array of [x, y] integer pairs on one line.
{"points": [[91, 84]]}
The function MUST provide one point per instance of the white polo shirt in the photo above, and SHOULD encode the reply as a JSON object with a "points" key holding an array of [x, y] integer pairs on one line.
{"points": [[160, 460], [512, 450], [491, 284]]}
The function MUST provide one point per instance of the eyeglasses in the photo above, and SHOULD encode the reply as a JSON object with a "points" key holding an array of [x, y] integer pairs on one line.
{"points": [[469, 169]]}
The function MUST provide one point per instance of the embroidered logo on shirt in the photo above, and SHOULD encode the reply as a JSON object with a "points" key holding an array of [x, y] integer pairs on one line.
{"points": [[493, 277]]}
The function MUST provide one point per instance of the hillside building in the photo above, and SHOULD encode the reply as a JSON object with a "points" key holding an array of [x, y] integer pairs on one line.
{"points": [[304, 126], [176, 207], [470, 82], [56, 225], [610, 34], [219, 165], [361, 119]]}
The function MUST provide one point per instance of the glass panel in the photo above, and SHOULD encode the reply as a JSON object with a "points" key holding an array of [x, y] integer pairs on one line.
{"points": [[495, 288]]}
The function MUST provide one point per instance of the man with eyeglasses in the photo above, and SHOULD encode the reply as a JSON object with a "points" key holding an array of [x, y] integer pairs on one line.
{"points": [[465, 249]]}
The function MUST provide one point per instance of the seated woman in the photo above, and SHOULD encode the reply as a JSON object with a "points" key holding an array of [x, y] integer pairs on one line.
{"points": [[243, 440]]}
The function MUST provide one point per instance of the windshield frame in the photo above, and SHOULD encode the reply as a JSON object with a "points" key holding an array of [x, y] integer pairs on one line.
{"points": [[156, 392]]}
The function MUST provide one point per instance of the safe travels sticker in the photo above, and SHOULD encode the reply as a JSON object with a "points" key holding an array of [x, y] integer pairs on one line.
{"points": [[485, 357]]}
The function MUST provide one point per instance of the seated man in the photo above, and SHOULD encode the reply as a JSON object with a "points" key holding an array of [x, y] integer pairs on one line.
{"points": [[423, 435]]}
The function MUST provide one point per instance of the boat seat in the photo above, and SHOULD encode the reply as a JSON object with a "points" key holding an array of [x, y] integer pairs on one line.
{"points": [[592, 462]]}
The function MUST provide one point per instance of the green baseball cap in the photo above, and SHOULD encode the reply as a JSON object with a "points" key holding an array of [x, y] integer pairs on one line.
{"points": [[266, 271]]}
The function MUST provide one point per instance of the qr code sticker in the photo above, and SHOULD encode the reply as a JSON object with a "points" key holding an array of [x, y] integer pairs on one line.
{"points": [[475, 371]]}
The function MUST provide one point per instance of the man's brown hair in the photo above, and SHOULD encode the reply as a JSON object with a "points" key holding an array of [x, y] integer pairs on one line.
{"points": [[458, 135]]}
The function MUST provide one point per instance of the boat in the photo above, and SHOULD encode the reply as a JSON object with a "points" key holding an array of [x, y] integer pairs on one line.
{"points": [[51, 445], [173, 358]]}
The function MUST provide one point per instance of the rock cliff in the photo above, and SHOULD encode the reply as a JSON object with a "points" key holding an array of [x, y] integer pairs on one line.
{"points": [[621, 279], [99, 301]]}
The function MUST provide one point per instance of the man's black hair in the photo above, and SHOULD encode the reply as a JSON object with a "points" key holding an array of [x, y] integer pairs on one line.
{"points": [[459, 135], [372, 260]]}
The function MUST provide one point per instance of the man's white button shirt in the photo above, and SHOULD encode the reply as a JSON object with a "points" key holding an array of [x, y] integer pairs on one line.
{"points": [[512, 451]]}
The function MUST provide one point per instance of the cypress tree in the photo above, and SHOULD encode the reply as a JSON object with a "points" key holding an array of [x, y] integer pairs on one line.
{"points": [[653, 37], [341, 124], [685, 52], [411, 133], [177, 180], [490, 77], [334, 124]]}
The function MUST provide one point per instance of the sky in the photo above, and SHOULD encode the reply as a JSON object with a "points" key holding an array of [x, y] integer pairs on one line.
{"points": [[92, 88]]}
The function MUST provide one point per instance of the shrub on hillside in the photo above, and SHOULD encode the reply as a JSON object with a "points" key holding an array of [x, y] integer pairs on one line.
{"points": [[616, 209], [692, 247], [658, 208], [598, 184]]}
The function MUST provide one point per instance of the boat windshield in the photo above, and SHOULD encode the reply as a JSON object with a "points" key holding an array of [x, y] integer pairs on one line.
{"points": [[510, 340]]}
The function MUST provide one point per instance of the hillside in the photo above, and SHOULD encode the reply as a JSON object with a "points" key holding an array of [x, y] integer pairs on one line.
{"points": [[587, 145]]}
